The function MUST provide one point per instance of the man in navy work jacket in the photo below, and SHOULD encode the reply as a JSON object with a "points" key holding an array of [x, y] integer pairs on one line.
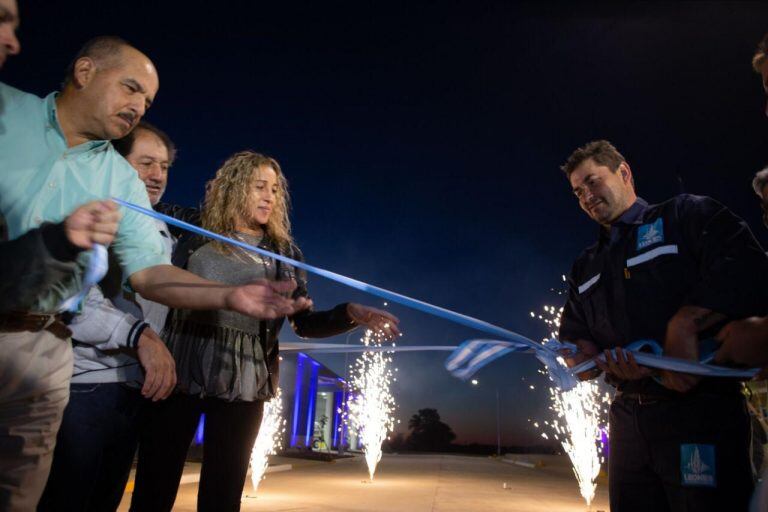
{"points": [[674, 272]]}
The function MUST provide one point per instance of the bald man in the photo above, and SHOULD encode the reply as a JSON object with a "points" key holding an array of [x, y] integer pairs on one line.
{"points": [[55, 154], [37, 259]]}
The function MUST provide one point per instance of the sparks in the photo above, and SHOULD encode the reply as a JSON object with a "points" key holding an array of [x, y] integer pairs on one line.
{"points": [[371, 405], [579, 414], [580, 432], [269, 439]]}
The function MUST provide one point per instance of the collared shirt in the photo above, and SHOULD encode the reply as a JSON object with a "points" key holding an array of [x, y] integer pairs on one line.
{"points": [[689, 250], [44, 180], [633, 216]]}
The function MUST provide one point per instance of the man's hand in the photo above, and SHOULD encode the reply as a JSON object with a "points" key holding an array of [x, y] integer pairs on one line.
{"points": [[585, 350], [177, 288], [624, 366], [92, 223], [158, 364], [682, 341], [375, 319], [745, 342], [266, 299]]}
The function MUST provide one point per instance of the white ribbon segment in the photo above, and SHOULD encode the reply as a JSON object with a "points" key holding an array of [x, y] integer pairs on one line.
{"points": [[338, 348], [472, 355]]}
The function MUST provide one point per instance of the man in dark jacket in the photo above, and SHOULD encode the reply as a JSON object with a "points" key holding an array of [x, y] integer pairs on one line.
{"points": [[674, 272]]}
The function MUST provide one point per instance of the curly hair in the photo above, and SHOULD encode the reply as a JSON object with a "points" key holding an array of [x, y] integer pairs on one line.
{"points": [[227, 198]]}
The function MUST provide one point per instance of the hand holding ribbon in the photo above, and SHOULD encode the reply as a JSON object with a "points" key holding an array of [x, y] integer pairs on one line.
{"points": [[655, 359], [94, 272], [472, 355]]}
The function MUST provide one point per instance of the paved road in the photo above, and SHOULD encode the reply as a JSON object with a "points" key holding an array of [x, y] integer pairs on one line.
{"points": [[412, 483]]}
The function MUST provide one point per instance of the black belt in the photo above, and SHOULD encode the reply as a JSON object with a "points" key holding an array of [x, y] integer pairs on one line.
{"points": [[652, 398], [19, 321], [643, 398]]}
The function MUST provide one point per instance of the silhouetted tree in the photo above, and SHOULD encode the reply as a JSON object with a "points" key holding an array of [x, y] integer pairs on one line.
{"points": [[428, 433]]}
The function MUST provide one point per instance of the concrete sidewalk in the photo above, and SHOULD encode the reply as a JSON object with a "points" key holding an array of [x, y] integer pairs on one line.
{"points": [[412, 483]]}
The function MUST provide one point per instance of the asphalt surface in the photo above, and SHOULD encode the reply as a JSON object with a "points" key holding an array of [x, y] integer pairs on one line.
{"points": [[410, 483]]}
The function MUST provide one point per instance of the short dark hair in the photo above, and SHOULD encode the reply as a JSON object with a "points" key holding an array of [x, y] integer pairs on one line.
{"points": [[760, 181], [761, 53], [100, 49], [125, 145], [601, 151]]}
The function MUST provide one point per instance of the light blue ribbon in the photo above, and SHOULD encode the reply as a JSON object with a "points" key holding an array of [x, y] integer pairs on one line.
{"points": [[425, 307], [338, 348], [472, 355], [94, 272], [656, 359], [547, 352]]}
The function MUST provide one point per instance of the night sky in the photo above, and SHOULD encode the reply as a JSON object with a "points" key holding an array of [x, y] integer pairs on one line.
{"points": [[422, 142]]}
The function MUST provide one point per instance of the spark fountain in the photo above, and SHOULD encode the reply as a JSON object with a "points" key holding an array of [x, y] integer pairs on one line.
{"points": [[580, 413], [268, 441], [370, 404]]}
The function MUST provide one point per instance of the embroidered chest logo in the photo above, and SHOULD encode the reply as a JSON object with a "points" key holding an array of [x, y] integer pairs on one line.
{"points": [[697, 464], [649, 234]]}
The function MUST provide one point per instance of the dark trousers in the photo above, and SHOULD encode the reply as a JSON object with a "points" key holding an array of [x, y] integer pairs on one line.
{"points": [[688, 454], [94, 448], [229, 433]]}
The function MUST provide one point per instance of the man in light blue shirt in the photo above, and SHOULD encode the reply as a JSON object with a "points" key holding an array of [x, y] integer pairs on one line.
{"points": [[54, 155], [97, 440], [41, 256]]}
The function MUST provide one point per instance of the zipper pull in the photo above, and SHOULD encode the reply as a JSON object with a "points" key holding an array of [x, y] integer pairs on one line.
{"points": [[626, 273]]}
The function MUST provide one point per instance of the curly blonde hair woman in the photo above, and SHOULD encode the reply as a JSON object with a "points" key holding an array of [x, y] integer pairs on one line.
{"points": [[229, 198], [227, 364]]}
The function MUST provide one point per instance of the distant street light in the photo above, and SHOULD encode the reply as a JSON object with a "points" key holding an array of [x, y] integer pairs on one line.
{"points": [[475, 382], [498, 425]]}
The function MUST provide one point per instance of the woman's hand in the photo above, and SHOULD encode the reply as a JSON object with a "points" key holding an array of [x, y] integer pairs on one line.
{"points": [[375, 319]]}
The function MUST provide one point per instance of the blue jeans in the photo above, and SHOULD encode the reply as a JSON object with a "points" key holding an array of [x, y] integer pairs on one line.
{"points": [[94, 448]]}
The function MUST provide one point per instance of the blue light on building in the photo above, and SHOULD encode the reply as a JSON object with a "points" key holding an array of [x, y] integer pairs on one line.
{"points": [[338, 403], [298, 394], [200, 430], [317, 397]]}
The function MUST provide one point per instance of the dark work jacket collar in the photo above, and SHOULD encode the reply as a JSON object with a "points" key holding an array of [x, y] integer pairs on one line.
{"points": [[634, 216]]}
